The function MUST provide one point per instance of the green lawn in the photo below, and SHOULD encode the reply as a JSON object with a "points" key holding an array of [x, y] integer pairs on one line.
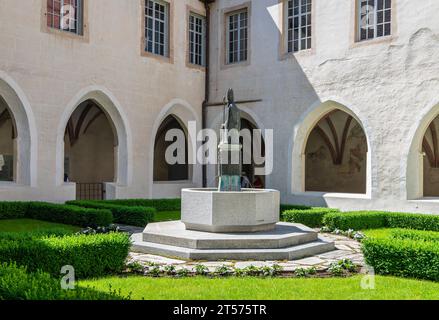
{"points": [[26, 225], [378, 233], [167, 216], [386, 288]]}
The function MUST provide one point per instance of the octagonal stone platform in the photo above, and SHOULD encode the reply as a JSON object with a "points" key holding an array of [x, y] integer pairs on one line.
{"points": [[250, 210], [285, 242]]}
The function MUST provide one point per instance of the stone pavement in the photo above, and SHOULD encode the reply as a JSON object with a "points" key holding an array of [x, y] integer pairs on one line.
{"points": [[346, 249]]}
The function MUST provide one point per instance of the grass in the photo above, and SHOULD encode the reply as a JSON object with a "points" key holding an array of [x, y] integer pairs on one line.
{"points": [[377, 233], [167, 216], [28, 225], [386, 288]]}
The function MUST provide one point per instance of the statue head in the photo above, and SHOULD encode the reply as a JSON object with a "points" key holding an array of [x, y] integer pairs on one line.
{"points": [[230, 96]]}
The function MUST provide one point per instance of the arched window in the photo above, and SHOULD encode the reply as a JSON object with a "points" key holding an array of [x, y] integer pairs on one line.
{"points": [[163, 171], [7, 142], [89, 150], [430, 147], [249, 168], [336, 155]]}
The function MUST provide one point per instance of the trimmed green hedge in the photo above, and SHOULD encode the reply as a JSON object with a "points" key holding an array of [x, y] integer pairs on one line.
{"points": [[403, 258], [133, 216], [158, 204], [66, 214], [363, 220], [90, 255], [285, 207], [13, 210], [355, 220], [17, 284], [312, 218], [58, 213]]}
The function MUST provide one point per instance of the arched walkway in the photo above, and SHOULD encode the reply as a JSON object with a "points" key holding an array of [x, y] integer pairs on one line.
{"points": [[422, 167], [18, 135], [90, 147], [331, 152], [8, 137], [189, 121], [94, 140], [163, 170]]}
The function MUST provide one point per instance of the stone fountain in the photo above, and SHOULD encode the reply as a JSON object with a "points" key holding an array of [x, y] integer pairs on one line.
{"points": [[230, 223]]}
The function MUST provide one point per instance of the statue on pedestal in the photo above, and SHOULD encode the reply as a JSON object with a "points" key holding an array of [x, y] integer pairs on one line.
{"points": [[230, 162]]}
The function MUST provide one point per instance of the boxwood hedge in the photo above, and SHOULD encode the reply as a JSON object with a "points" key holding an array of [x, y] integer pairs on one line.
{"points": [[58, 213], [18, 284], [90, 255], [158, 204], [310, 217], [129, 215], [403, 258], [363, 220]]}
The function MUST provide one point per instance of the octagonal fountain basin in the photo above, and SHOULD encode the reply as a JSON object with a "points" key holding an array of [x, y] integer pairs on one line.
{"points": [[209, 210]]}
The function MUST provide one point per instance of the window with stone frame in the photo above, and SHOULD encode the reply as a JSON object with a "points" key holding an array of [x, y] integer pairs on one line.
{"points": [[157, 27], [237, 36], [197, 39], [65, 15], [299, 19], [375, 19]]}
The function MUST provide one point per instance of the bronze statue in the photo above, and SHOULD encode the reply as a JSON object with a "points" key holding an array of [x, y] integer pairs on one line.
{"points": [[230, 162], [233, 121]]}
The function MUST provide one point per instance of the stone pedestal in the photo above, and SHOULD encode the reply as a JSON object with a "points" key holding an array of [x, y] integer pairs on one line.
{"points": [[250, 210], [230, 169]]}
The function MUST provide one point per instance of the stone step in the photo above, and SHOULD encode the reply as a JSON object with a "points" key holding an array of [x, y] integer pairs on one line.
{"points": [[174, 234], [290, 253]]}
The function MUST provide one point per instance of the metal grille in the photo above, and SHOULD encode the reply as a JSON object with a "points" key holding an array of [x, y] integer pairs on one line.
{"points": [[90, 191], [375, 19], [156, 27], [197, 31], [65, 15], [299, 25], [237, 36]]}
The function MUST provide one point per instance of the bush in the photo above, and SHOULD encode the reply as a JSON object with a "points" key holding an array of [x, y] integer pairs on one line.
{"points": [[69, 214], [285, 207], [403, 258], [13, 210], [312, 218], [129, 215], [91, 256], [17, 284], [413, 221], [355, 220], [158, 204], [21, 236], [363, 220]]}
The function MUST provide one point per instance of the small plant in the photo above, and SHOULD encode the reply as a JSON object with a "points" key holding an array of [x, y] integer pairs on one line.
{"points": [[169, 270], [252, 271], [336, 269], [305, 272], [134, 267], [348, 265], [239, 272], [154, 271], [201, 270], [182, 273], [223, 271], [271, 271], [359, 236]]}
